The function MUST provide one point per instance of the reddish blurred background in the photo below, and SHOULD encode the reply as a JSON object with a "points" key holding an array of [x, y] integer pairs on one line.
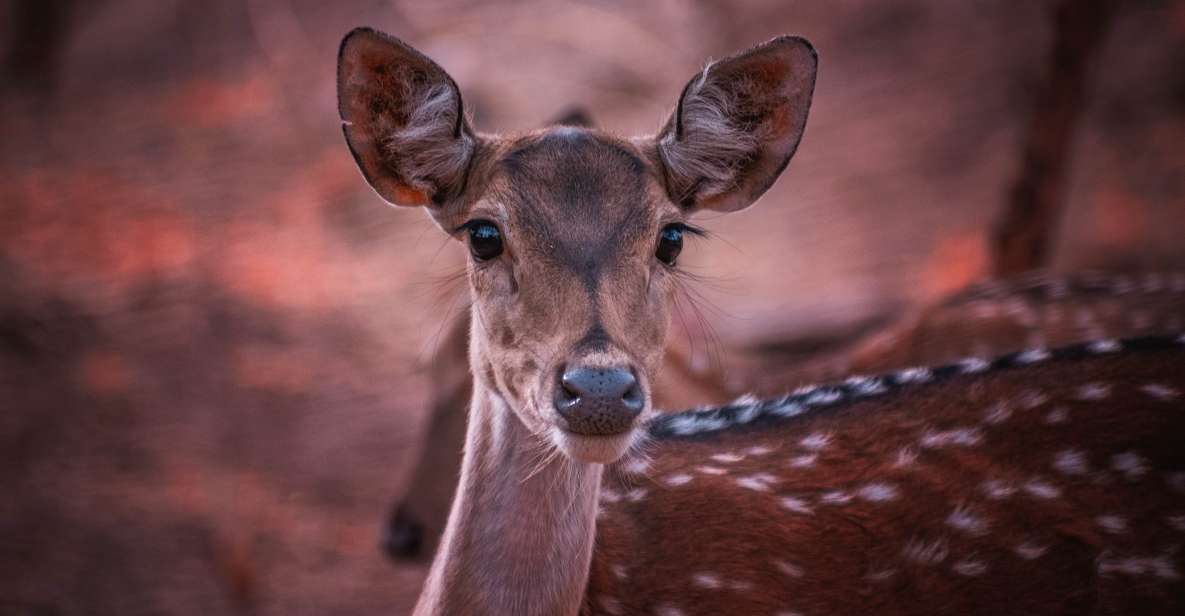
{"points": [[213, 335]]}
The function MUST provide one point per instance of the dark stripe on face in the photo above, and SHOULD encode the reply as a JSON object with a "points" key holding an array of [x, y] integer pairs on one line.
{"points": [[578, 200]]}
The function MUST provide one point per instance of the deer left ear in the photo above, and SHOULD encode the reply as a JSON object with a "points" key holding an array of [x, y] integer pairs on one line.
{"points": [[403, 120], [737, 125]]}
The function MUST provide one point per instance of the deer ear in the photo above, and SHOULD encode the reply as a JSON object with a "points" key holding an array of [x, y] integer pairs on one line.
{"points": [[737, 125], [403, 120]]}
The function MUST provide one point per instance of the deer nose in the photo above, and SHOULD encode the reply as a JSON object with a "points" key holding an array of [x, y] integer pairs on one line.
{"points": [[598, 401], [404, 536]]}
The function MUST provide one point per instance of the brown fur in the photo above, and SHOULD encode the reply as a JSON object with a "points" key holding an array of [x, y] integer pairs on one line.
{"points": [[579, 213]]}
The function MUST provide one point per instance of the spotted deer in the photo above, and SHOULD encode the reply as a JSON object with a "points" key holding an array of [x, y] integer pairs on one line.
{"points": [[1048, 481], [1037, 309]]}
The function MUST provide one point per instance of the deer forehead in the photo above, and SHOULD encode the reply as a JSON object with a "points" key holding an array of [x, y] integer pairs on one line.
{"points": [[578, 198]]}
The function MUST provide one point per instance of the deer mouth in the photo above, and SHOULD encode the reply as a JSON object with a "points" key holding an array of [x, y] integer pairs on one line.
{"points": [[602, 449]]}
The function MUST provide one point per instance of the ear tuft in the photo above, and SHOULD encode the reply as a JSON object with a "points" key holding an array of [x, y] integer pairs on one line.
{"points": [[403, 119], [737, 124]]}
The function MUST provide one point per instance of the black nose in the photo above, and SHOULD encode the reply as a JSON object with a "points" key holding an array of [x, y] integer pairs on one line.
{"points": [[404, 535], [598, 401]]}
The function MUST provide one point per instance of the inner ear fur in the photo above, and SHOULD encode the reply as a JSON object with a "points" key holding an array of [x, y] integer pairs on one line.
{"points": [[737, 124], [403, 120]]}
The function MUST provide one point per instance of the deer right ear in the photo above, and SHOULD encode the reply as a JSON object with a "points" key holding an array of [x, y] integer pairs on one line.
{"points": [[403, 120], [737, 125]]}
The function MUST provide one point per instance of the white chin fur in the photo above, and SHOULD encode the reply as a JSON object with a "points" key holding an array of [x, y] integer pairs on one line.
{"points": [[593, 449]]}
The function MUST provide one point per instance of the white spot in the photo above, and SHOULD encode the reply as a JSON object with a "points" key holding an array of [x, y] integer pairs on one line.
{"points": [[1071, 462], [706, 580], [877, 492], [866, 385], [1032, 356], [711, 470], [789, 569], [816, 441], [804, 461], [1160, 392], [824, 397], [970, 567], [609, 496], [759, 450], [728, 458], [787, 409], [635, 495], [677, 479], [998, 490], [747, 413], [1032, 399], [880, 575], [690, 423], [797, 505], [1131, 464], [668, 610], [906, 456], [1106, 345], [914, 375], [1059, 415], [759, 482], [963, 519], [619, 571], [611, 605], [997, 413], [1039, 488], [1112, 523], [1030, 550], [835, 497], [745, 400], [926, 552], [957, 436], [1093, 391], [973, 365], [637, 466], [1158, 566], [1177, 522]]}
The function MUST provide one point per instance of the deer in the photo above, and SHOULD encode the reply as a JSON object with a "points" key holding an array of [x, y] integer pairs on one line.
{"points": [[1046, 480], [995, 317]]}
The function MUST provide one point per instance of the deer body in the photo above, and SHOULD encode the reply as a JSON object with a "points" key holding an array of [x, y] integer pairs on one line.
{"points": [[574, 236], [1042, 485]]}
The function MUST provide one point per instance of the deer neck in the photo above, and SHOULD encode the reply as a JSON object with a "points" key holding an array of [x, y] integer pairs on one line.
{"points": [[520, 533]]}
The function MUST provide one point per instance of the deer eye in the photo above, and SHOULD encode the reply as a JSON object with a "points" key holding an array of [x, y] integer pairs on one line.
{"points": [[485, 240], [670, 243]]}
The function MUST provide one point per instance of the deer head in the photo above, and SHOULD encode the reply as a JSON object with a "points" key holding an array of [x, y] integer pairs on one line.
{"points": [[574, 234]]}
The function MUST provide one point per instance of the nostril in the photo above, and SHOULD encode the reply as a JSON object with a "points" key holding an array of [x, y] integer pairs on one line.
{"points": [[633, 397], [570, 390]]}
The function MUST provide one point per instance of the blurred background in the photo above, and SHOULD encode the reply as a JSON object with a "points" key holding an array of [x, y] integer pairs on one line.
{"points": [[213, 335]]}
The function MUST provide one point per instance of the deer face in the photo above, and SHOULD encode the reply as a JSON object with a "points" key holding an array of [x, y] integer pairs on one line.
{"points": [[573, 234]]}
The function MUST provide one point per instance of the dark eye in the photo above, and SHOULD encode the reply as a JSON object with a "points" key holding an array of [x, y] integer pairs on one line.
{"points": [[485, 240], [670, 244]]}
